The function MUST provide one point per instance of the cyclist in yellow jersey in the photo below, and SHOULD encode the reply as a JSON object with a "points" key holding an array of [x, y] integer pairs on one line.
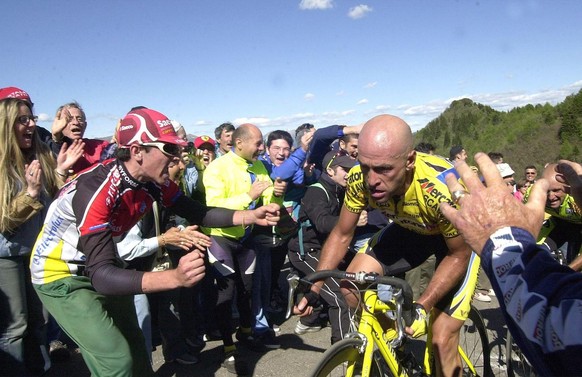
{"points": [[564, 223], [408, 187]]}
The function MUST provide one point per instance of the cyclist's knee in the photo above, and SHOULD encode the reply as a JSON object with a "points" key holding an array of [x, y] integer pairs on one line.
{"points": [[366, 263]]}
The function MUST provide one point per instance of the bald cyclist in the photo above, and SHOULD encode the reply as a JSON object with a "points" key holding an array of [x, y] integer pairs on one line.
{"points": [[565, 222], [408, 187]]}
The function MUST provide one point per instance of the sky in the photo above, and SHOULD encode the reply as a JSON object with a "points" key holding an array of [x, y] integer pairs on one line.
{"points": [[278, 64]]}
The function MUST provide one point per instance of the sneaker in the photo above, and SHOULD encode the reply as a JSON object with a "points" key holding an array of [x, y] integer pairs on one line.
{"points": [[275, 328], [234, 365], [58, 351], [186, 359], [269, 340], [482, 297], [249, 341], [301, 329], [491, 292]]}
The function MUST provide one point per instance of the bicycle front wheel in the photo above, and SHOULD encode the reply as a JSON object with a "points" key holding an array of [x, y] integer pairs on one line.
{"points": [[474, 346], [336, 359]]}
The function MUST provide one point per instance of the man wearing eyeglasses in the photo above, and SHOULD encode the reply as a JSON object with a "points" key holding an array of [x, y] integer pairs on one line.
{"points": [[75, 268], [407, 186], [531, 172], [70, 124]]}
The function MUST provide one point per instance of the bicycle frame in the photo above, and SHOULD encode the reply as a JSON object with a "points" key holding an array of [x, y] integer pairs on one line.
{"points": [[371, 331], [372, 335]]}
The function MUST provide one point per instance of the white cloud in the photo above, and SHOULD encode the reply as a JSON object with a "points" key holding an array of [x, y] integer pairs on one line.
{"points": [[370, 85], [315, 4], [416, 115], [257, 121], [43, 117], [363, 101], [359, 11], [309, 96]]}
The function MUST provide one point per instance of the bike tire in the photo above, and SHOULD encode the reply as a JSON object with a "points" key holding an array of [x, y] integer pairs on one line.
{"points": [[474, 341], [334, 360], [517, 364]]}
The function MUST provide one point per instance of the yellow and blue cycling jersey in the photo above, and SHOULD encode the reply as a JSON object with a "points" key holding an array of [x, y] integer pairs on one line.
{"points": [[398, 247], [418, 210], [568, 210]]}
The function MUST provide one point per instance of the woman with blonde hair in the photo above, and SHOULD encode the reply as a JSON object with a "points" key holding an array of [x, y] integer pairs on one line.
{"points": [[30, 179]]}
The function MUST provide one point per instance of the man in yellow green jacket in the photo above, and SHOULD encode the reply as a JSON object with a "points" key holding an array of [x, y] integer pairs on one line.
{"points": [[237, 180]]}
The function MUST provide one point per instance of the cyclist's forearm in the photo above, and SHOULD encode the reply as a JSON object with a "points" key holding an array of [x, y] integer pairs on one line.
{"points": [[332, 253]]}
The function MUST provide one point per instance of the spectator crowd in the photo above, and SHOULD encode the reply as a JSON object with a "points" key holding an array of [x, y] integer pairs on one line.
{"points": [[115, 246]]}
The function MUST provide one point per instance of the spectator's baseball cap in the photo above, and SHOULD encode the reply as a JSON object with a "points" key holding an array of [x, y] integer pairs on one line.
{"points": [[338, 158], [505, 170], [13, 92], [142, 125], [204, 140]]}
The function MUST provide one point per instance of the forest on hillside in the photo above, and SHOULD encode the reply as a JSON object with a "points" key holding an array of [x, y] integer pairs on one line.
{"points": [[532, 134]]}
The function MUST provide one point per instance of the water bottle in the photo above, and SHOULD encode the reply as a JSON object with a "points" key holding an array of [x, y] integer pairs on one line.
{"points": [[385, 292]]}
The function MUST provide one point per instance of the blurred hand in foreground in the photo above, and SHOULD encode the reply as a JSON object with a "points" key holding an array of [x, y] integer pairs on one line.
{"points": [[486, 209]]}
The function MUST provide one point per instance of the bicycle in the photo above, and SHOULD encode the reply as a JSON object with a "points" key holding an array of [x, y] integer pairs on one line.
{"points": [[377, 350]]}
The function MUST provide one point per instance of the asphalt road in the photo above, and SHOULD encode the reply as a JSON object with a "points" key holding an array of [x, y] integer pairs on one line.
{"points": [[296, 357]]}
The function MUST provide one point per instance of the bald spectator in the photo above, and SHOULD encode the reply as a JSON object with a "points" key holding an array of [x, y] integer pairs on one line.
{"points": [[232, 254]]}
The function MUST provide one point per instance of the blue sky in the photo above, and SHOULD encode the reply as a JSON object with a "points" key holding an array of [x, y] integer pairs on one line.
{"points": [[280, 63]]}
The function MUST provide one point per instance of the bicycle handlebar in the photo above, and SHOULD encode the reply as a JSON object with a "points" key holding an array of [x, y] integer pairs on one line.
{"points": [[358, 277]]}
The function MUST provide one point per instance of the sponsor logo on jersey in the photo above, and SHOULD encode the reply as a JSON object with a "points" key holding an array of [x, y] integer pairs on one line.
{"points": [[433, 196], [50, 231]]}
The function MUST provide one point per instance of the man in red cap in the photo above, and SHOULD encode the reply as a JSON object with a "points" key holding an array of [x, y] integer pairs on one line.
{"points": [[205, 151], [75, 268]]}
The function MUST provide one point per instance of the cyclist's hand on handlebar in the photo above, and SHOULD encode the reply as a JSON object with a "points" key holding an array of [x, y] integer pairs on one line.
{"points": [[306, 305], [419, 325]]}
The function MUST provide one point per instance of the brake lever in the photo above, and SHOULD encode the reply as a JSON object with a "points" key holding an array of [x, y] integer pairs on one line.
{"points": [[293, 280]]}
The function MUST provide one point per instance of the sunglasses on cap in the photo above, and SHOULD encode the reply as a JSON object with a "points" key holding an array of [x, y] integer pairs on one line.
{"points": [[338, 154], [170, 150]]}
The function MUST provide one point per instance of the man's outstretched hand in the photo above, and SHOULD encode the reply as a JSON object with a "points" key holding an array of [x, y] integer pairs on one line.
{"points": [[486, 209]]}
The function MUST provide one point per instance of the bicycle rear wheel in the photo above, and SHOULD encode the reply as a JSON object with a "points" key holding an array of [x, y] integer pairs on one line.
{"points": [[517, 364], [334, 361], [474, 342]]}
